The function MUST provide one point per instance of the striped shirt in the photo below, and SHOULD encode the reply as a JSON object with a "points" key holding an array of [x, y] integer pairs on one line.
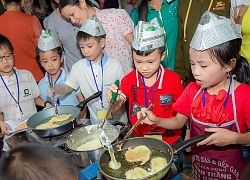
{"points": [[28, 91]]}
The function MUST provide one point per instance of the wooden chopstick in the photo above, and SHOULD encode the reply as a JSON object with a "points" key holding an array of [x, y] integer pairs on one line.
{"points": [[134, 126]]}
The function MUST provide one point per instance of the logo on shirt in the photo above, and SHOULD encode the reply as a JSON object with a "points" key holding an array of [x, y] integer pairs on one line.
{"points": [[220, 6], [26, 92], [165, 101], [165, 98]]}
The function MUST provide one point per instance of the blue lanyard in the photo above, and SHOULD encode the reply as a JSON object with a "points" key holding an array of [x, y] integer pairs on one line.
{"points": [[226, 101], [18, 91], [145, 90], [96, 82], [57, 101]]}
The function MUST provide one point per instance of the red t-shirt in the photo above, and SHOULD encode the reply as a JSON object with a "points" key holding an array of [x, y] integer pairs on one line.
{"points": [[167, 90], [23, 31], [242, 100]]}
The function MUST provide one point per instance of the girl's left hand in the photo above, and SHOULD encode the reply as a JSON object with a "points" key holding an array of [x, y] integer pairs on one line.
{"points": [[220, 137]]}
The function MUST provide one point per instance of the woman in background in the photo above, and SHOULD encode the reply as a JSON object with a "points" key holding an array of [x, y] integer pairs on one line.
{"points": [[116, 23], [23, 31]]}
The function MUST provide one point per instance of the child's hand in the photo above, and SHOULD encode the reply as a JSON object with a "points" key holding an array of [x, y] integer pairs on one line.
{"points": [[51, 93], [220, 137], [113, 88], [56, 91], [187, 136], [48, 105], [4, 127], [150, 116]]}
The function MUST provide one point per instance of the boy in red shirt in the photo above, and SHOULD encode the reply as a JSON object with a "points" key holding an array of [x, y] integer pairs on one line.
{"points": [[149, 83]]}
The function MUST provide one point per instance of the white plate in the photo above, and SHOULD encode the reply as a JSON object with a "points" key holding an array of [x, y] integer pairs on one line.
{"points": [[14, 124]]}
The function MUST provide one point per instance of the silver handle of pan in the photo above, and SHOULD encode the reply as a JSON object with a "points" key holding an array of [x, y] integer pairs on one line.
{"points": [[82, 104], [180, 147]]}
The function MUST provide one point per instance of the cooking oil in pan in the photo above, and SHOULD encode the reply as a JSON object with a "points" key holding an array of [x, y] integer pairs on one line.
{"points": [[125, 165]]}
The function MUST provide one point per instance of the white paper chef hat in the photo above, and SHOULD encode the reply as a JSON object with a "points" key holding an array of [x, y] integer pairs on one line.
{"points": [[148, 35], [47, 41], [213, 30], [93, 27]]}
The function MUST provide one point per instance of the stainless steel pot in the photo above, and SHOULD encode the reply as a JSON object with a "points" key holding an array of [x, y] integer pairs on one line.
{"points": [[85, 135], [81, 159]]}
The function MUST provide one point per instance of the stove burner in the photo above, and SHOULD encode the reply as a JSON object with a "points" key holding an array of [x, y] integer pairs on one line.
{"points": [[55, 141]]}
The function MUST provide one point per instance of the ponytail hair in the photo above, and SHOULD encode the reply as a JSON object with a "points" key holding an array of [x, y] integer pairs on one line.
{"points": [[143, 10], [242, 70], [227, 51]]}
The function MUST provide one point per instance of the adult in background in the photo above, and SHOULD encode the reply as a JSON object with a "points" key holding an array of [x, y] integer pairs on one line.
{"points": [[65, 33], [189, 13], [23, 31], [131, 5], [116, 23], [166, 13], [245, 47], [238, 10], [1, 8], [29, 8]]}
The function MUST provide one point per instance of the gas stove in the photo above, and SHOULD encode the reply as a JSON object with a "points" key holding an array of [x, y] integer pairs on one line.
{"points": [[59, 141], [29, 136], [55, 141]]}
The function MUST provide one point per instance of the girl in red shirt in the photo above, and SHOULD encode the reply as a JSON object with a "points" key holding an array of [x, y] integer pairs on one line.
{"points": [[217, 102]]}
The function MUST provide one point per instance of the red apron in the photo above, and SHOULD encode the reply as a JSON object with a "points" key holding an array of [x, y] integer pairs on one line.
{"points": [[213, 162]]}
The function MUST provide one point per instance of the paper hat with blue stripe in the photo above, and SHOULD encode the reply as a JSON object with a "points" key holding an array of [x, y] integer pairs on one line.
{"points": [[93, 27], [213, 30], [148, 35], [47, 41]]}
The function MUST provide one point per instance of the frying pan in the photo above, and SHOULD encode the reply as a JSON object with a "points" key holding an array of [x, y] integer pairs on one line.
{"points": [[39, 118], [152, 144]]}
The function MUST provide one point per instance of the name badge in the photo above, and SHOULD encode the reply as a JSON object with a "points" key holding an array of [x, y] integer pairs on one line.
{"points": [[102, 113], [153, 134]]}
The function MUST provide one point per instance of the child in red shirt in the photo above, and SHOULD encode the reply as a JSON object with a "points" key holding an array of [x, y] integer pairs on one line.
{"points": [[217, 102], [149, 83]]}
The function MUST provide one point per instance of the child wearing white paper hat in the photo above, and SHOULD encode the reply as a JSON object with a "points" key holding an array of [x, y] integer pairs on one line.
{"points": [[96, 72], [49, 54], [116, 22], [218, 102], [19, 93], [150, 83]]}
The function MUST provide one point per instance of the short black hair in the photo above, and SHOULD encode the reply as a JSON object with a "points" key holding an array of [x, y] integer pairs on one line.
{"points": [[4, 41], [85, 36], [58, 50], [10, 1], [35, 161], [148, 52]]}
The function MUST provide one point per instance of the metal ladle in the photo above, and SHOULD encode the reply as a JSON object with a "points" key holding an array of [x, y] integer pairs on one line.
{"points": [[100, 129], [54, 98]]}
